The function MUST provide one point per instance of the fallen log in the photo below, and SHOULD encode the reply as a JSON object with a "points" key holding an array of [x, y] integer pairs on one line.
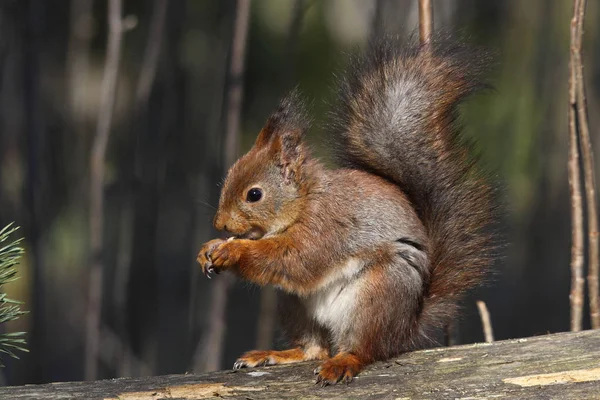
{"points": [[561, 366]]}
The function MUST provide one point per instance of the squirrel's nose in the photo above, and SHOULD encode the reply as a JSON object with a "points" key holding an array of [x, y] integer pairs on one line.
{"points": [[219, 223]]}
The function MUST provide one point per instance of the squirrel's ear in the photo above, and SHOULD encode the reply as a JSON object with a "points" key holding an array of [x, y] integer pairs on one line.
{"points": [[283, 135], [288, 151], [264, 137]]}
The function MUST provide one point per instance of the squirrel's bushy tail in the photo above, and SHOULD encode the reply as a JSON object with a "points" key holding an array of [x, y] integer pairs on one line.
{"points": [[397, 118]]}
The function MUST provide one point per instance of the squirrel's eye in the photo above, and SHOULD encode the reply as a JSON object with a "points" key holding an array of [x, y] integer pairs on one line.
{"points": [[254, 195]]}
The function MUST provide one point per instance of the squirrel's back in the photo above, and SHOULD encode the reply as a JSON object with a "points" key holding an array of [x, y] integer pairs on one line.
{"points": [[397, 118]]}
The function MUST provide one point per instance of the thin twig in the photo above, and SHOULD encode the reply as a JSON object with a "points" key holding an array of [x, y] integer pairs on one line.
{"points": [[115, 350], [152, 52], [212, 345], [577, 281], [486, 321], [210, 164], [588, 172], [122, 263], [298, 11], [265, 328], [425, 21], [377, 21], [451, 334], [209, 352], [236, 81], [78, 55], [130, 250], [77, 71], [110, 342], [96, 223]]}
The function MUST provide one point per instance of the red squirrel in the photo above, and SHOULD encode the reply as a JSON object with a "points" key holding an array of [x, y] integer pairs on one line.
{"points": [[371, 257]]}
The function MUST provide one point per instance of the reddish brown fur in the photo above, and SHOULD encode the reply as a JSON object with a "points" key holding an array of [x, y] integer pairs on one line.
{"points": [[376, 296], [258, 358], [372, 258], [342, 367]]}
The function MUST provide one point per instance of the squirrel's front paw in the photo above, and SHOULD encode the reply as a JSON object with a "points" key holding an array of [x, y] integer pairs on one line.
{"points": [[227, 254], [205, 257]]}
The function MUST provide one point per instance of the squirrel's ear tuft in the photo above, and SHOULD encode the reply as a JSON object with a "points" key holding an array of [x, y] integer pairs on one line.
{"points": [[290, 116], [283, 134]]}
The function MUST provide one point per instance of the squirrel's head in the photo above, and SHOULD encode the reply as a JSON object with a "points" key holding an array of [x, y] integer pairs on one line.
{"points": [[264, 191]]}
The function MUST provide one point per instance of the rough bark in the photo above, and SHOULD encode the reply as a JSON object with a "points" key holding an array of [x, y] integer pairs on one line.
{"points": [[561, 366]]}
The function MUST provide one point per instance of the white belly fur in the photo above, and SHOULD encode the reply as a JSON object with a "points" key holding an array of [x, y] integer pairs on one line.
{"points": [[333, 303]]}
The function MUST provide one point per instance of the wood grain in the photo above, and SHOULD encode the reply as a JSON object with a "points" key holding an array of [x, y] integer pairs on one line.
{"points": [[565, 366]]}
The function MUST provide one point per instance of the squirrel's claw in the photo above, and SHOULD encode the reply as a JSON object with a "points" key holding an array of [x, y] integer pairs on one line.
{"points": [[205, 257], [320, 380], [323, 382], [341, 368]]}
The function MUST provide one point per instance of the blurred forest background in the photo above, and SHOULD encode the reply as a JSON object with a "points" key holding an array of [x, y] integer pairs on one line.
{"points": [[166, 154]]}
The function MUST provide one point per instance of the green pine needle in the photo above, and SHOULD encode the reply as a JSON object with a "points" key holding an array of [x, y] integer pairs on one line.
{"points": [[10, 310]]}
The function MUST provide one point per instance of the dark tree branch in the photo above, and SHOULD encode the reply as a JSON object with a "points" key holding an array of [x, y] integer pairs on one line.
{"points": [[80, 35], [298, 10], [236, 81], [152, 52], [137, 286], [377, 21], [208, 357], [210, 166], [96, 223], [81, 31], [265, 327], [451, 334], [34, 126]]}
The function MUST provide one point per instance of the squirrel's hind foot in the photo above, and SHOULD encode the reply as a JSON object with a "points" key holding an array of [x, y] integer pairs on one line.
{"points": [[343, 367]]}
